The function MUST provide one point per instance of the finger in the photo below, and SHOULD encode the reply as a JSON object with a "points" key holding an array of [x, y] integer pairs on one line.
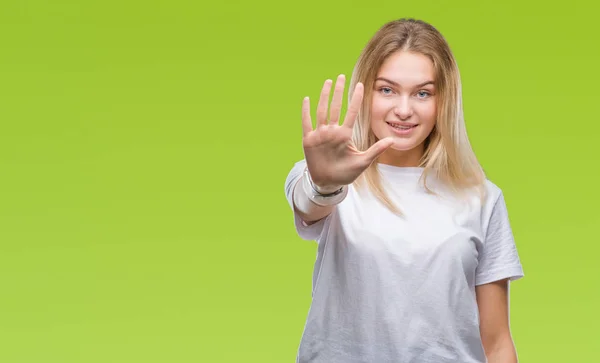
{"points": [[336, 102], [354, 106], [376, 150], [306, 120], [323, 103]]}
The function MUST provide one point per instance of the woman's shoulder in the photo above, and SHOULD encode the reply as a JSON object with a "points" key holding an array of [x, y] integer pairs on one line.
{"points": [[491, 187], [493, 192]]}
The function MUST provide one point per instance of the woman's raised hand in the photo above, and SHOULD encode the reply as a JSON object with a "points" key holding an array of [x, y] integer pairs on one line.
{"points": [[331, 156]]}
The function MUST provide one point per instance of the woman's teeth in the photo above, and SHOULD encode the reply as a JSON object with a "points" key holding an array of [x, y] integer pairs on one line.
{"points": [[401, 127]]}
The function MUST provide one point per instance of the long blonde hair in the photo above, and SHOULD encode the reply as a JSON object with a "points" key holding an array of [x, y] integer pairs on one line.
{"points": [[448, 153]]}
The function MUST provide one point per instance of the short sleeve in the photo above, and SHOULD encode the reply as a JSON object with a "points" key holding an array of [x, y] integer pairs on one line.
{"points": [[305, 231], [498, 258]]}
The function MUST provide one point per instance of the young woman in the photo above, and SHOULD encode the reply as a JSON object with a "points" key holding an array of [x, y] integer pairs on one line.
{"points": [[415, 249]]}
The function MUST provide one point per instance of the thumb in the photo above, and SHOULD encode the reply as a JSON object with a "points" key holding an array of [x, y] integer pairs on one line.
{"points": [[377, 149]]}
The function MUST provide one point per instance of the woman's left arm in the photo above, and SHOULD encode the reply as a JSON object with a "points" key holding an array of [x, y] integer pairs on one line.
{"points": [[494, 317]]}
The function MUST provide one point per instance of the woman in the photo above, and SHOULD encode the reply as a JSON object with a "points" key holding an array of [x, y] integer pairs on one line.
{"points": [[415, 249]]}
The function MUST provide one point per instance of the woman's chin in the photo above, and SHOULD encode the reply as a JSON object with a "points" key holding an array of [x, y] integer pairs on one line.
{"points": [[403, 145]]}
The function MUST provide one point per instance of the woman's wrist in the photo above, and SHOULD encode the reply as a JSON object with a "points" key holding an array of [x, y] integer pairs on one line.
{"points": [[323, 195]]}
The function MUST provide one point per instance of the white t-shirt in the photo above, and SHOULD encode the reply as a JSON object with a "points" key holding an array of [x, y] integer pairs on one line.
{"points": [[388, 289]]}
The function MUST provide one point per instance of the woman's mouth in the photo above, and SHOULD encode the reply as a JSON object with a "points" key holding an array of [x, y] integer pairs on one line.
{"points": [[402, 128]]}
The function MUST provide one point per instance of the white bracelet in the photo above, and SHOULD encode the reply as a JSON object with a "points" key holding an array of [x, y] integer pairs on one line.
{"points": [[320, 198]]}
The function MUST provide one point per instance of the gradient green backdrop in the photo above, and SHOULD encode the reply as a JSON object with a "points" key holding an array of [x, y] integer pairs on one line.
{"points": [[144, 148]]}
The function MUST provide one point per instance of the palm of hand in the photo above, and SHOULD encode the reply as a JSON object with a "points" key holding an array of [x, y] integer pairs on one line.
{"points": [[331, 156]]}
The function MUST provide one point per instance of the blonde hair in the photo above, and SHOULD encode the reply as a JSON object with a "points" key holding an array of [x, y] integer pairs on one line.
{"points": [[448, 153]]}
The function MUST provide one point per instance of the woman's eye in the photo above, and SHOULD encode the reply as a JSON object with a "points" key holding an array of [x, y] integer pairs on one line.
{"points": [[423, 94], [385, 90]]}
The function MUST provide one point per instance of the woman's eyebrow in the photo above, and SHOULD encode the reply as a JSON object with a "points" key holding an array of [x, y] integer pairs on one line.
{"points": [[397, 85]]}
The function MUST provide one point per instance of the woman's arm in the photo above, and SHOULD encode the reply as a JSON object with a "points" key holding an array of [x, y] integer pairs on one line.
{"points": [[309, 212], [494, 317]]}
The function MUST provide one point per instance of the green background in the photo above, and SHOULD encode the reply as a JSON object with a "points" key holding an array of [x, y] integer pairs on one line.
{"points": [[144, 148]]}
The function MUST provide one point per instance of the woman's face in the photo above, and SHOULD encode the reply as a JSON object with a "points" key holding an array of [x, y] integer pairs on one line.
{"points": [[404, 106]]}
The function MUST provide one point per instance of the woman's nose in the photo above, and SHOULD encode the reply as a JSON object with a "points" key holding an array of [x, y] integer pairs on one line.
{"points": [[403, 108]]}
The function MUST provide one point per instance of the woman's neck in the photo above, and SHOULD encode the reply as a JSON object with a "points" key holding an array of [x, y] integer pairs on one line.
{"points": [[402, 158]]}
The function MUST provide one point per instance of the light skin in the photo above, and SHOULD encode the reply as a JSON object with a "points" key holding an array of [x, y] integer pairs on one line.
{"points": [[404, 94], [494, 317], [331, 156]]}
